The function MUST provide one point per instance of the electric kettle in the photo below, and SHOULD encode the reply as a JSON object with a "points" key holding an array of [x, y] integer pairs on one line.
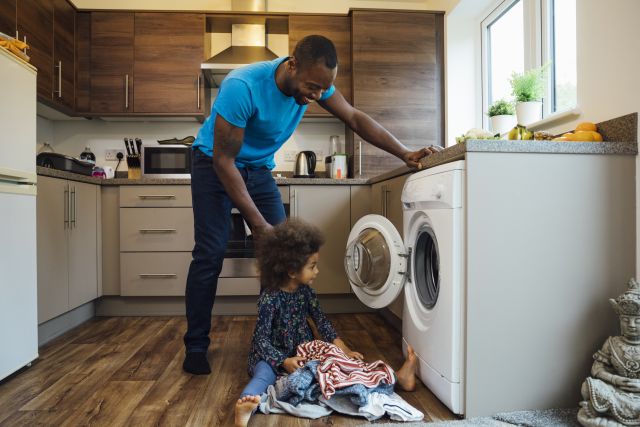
{"points": [[305, 165]]}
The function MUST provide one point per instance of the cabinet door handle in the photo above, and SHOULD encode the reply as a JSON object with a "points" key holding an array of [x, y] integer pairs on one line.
{"points": [[156, 196], [157, 230], [126, 91], [385, 207], [66, 206], [59, 67], [72, 223], [198, 92], [359, 157], [157, 275], [295, 203]]}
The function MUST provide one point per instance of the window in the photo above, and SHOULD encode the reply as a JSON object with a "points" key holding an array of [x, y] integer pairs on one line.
{"points": [[505, 51], [522, 34], [562, 55]]}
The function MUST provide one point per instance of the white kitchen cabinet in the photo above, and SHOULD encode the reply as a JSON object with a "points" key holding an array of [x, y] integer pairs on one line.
{"points": [[360, 202], [328, 208], [83, 243], [386, 201], [67, 226], [53, 259]]}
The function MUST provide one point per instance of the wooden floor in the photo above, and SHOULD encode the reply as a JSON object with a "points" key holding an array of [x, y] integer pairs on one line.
{"points": [[114, 371]]}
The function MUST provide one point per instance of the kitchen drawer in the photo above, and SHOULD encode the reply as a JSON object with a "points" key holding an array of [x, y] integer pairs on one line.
{"points": [[165, 274], [284, 193], [152, 196], [233, 286], [154, 273], [156, 229]]}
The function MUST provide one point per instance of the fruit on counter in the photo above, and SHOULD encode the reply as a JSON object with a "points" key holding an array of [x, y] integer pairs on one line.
{"points": [[542, 136], [520, 132], [476, 133], [587, 126], [584, 132]]}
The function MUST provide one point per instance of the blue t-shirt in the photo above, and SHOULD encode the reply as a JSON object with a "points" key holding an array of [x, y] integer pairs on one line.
{"points": [[249, 98]]}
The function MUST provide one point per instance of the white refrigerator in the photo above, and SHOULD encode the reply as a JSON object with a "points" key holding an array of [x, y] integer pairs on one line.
{"points": [[18, 267]]}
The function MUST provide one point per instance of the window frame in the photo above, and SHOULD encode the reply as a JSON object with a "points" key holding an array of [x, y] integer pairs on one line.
{"points": [[538, 45]]}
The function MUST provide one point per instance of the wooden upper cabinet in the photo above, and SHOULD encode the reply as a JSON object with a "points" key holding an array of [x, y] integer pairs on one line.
{"points": [[64, 17], [398, 80], [338, 30], [83, 62], [8, 17], [35, 22], [112, 62], [169, 48]]}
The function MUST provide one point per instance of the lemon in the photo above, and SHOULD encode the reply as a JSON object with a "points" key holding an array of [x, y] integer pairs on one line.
{"points": [[582, 135], [586, 126]]}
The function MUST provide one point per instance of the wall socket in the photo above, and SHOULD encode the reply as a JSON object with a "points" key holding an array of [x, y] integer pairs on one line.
{"points": [[112, 153], [290, 155]]}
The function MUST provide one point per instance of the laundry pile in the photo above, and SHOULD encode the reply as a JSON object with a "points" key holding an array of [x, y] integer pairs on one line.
{"points": [[331, 381]]}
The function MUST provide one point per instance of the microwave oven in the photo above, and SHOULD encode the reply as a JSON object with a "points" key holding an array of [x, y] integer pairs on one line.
{"points": [[166, 161]]}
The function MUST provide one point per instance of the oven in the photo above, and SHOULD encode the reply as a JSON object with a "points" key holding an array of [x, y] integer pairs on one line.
{"points": [[166, 161], [240, 253]]}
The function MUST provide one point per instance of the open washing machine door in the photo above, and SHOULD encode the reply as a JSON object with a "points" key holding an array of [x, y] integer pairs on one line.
{"points": [[376, 261]]}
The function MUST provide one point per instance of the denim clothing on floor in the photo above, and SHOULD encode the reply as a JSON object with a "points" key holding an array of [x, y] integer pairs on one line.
{"points": [[263, 377], [211, 218]]}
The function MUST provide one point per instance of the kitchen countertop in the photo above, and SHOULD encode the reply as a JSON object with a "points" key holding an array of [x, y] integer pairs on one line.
{"points": [[186, 181], [455, 152]]}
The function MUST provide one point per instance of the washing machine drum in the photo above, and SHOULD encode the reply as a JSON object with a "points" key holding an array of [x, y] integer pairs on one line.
{"points": [[375, 261], [370, 260], [426, 262]]}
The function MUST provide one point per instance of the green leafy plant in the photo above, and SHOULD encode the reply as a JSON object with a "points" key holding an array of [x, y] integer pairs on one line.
{"points": [[500, 108], [529, 85]]}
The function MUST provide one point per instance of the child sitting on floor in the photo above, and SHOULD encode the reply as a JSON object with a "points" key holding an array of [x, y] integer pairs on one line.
{"points": [[288, 262]]}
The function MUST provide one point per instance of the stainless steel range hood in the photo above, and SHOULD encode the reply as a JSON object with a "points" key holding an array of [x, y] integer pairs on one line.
{"points": [[248, 45]]}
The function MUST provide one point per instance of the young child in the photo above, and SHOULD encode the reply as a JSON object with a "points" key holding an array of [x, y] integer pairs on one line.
{"points": [[288, 262]]}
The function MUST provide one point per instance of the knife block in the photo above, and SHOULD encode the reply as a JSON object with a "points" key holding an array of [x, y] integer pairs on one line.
{"points": [[133, 165]]}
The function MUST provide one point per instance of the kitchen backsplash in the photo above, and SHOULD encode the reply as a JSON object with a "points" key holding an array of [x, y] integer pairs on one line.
{"points": [[71, 137]]}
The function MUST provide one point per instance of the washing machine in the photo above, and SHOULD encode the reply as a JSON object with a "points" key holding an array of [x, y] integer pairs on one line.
{"points": [[427, 260]]}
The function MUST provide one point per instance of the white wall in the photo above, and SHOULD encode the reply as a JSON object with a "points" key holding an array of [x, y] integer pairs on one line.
{"points": [[70, 137]]}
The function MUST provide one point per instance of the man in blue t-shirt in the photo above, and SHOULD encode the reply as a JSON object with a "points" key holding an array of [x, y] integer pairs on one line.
{"points": [[257, 109]]}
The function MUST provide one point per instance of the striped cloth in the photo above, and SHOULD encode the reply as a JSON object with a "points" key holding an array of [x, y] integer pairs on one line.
{"points": [[336, 370]]}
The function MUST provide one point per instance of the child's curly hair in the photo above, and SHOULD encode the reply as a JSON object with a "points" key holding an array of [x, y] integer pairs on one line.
{"points": [[285, 249]]}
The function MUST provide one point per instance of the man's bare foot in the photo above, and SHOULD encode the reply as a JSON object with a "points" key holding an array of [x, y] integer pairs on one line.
{"points": [[244, 409], [407, 373]]}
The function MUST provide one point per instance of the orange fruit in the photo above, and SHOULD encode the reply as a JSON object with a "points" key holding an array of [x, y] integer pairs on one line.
{"points": [[560, 138], [587, 126], [567, 135], [582, 135], [597, 137]]}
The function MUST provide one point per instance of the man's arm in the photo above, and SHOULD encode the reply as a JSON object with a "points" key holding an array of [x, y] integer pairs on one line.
{"points": [[228, 141], [372, 131]]}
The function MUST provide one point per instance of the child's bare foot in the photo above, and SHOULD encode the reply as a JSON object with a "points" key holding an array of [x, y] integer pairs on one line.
{"points": [[244, 409], [407, 373]]}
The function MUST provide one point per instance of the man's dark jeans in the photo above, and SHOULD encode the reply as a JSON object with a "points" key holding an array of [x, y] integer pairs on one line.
{"points": [[211, 215]]}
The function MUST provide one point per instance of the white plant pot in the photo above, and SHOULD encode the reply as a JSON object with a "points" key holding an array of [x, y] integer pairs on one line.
{"points": [[502, 123], [529, 112]]}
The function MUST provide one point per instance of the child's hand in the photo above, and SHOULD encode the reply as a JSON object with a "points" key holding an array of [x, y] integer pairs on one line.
{"points": [[355, 355], [292, 363]]}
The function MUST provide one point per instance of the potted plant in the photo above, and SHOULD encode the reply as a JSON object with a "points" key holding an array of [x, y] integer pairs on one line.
{"points": [[528, 89], [502, 115]]}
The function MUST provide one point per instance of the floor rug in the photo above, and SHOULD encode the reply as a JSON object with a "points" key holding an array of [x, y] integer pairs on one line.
{"points": [[542, 418]]}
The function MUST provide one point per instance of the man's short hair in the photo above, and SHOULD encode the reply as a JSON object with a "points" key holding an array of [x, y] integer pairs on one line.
{"points": [[314, 48]]}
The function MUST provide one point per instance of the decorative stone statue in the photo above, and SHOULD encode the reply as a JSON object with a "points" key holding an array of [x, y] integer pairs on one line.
{"points": [[612, 392]]}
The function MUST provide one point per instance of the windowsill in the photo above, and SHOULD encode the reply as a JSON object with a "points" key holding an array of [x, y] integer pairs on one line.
{"points": [[555, 119]]}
